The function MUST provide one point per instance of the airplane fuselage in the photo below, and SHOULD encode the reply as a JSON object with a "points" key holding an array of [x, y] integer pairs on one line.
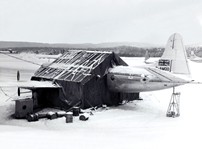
{"points": [[131, 79]]}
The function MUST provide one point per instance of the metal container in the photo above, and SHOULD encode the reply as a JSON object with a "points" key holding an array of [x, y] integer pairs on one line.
{"points": [[69, 117]]}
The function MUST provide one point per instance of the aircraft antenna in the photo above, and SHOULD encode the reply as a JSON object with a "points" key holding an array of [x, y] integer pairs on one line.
{"points": [[174, 105]]}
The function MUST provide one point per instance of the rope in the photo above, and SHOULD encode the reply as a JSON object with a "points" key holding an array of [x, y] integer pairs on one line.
{"points": [[21, 59], [10, 97]]}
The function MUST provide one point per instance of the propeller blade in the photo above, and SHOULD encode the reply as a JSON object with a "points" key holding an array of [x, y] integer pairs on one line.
{"points": [[18, 75], [18, 91]]}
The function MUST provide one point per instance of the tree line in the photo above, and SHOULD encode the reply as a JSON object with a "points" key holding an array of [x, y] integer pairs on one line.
{"points": [[126, 51]]}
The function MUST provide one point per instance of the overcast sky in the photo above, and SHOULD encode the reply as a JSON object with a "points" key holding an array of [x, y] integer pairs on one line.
{"points": [[96, 21]]}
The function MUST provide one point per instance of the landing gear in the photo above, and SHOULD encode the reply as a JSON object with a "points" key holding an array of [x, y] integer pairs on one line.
{"points": [[174, 105]]}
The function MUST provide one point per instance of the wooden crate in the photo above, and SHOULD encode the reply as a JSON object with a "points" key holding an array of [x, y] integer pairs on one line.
{"points": [[23, 107]]}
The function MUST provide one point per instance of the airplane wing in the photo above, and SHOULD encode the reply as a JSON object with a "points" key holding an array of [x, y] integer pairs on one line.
{"points": [[30, 84]]}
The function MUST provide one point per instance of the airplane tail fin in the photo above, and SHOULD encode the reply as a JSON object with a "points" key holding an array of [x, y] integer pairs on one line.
{"points": [[174, 58], [192, 54], [147, 56]]}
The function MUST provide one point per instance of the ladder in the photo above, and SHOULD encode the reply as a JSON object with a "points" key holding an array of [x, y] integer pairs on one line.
{"points": [[174, 105]]}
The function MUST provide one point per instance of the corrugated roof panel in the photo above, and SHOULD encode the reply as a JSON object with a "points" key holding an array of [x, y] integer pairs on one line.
{"points": [[72, 66]]}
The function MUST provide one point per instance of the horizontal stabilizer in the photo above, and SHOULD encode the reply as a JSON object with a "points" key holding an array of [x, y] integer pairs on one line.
{"points": [[166, 76]]}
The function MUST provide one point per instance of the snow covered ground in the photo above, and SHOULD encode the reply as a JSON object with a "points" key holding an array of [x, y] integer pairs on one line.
{"points": [[139, 124]]}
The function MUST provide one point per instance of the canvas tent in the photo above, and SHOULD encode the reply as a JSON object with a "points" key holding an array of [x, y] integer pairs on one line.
{"points": [[82, 77]]}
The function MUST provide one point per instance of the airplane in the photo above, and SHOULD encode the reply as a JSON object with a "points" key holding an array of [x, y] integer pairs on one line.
{"points": [[195, 58], [7, 51], [171, 70]]}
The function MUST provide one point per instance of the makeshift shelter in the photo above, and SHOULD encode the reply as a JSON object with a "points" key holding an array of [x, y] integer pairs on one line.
{"points": [[82, 76]]}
